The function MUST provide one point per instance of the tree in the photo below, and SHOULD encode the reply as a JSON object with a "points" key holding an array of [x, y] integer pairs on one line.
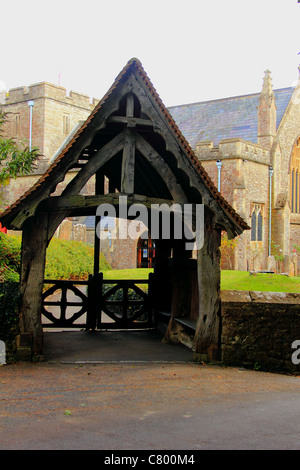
{"points": [[16, 159]]}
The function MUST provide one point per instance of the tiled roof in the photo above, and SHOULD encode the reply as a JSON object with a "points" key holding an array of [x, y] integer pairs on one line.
{"points": [[226, 118], [55, 167]]}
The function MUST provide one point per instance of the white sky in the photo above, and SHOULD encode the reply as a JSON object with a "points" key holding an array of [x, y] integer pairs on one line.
{"points": [[192, 50]]}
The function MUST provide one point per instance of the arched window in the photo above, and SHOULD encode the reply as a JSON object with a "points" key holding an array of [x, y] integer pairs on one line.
{"points": [[253, 226], [295, 179], [257, 223]]}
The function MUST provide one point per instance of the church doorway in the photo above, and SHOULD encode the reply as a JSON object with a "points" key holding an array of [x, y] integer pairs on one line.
{"points": [[145, 252]]}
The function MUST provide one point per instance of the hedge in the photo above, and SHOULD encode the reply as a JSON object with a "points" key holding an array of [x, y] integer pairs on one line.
{"points": [[9, 317]]}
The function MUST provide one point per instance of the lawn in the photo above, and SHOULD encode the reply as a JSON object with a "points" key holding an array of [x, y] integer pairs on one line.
{"points": [[230, 280], [241, 280], [139, 273]]}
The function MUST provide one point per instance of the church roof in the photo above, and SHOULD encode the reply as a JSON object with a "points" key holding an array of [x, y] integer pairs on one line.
{"points": [[226, 118], [26, 205]]}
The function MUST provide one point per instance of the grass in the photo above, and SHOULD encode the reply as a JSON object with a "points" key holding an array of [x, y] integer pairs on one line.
{"points": [[241, 280], [230, 280], [139, 273], [74, 260]]}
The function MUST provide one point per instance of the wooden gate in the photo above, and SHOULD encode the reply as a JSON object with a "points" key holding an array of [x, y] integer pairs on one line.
{"points": [[98, 304]]}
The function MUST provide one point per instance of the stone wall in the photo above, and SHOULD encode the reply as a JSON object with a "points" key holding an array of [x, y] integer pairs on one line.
{"points": [[258, 329], [54, 114], [244, 183]]}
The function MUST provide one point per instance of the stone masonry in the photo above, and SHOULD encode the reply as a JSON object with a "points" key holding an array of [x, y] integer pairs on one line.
{"points": [[244, 175]]}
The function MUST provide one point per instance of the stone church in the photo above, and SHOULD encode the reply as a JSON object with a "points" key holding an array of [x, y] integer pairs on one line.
{"points": [[249, 145]]}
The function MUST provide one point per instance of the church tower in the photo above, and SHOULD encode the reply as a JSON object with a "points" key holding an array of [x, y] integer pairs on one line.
{"points": [[266, 119]]}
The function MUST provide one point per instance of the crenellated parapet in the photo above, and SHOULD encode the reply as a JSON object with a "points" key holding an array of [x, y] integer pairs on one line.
{"points": [[232, 149], [50, 91]]}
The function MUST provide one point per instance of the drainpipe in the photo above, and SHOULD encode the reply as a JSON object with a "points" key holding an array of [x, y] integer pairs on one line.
{"points": [[219, 166], [271, 171], [30, 103]]}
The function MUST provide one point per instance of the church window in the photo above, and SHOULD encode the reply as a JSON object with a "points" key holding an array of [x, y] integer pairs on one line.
{"points": [[295, 179], [257, 223], [16, 124]]}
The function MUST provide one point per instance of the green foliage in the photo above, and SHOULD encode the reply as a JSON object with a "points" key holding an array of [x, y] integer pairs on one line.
{"points": [[230, 280], [64, 259], [15, 157], [9, 319], [242, 280], [10, 255], [71, 260], [277, 252], [138, 273], [227, 249]]}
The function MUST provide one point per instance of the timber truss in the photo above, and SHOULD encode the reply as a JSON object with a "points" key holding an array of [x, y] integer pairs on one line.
{"points": [[129, 145]]}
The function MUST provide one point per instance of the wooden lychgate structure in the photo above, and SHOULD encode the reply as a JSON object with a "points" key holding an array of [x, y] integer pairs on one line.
{"points": [[131, 140]]}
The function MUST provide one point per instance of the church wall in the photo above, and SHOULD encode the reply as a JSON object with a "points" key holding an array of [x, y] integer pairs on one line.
{"points": [[16, 188], [61, 116], [244, 182], [18, 117], [285, 233], [51, 104], [295, 234]]}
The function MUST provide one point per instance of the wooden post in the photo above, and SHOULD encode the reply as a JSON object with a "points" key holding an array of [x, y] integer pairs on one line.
{"points": [[207, 329], [34, 244], [97, 247], [94, 300], [128, 163], [161, 281], [99, 189], [181, 294]]}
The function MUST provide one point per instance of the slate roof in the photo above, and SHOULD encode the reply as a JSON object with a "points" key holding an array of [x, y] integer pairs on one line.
{"points": [[106, 222], [226, 118]]}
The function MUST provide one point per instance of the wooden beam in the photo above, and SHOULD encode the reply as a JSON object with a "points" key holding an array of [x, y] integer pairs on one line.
{"points": [[153, 157], [128, 163], [130, 105], [99, 182], [131, 121], [161, 126], [91, 167], [68, 204], [60, 168], [99, 159]]}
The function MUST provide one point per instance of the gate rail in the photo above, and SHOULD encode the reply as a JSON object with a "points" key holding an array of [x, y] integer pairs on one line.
{"points": [[107, 304], [62, 320]]}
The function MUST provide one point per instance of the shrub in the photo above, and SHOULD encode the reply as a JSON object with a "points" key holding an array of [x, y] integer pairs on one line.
{"points": [[64, 259], [9, 318], [10, 256], [71, 260]]}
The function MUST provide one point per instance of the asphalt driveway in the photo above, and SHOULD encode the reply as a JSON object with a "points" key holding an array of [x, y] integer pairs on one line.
{"points": [[131, 400]]}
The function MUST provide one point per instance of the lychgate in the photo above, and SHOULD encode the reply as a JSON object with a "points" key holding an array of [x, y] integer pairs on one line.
{"points": [[131, 140]]}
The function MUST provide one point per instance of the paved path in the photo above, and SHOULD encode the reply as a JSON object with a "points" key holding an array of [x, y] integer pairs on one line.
{"points": [[69, 403]]}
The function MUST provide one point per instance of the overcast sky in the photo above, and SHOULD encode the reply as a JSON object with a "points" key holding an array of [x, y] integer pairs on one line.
{"points": [[192, 50]]}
